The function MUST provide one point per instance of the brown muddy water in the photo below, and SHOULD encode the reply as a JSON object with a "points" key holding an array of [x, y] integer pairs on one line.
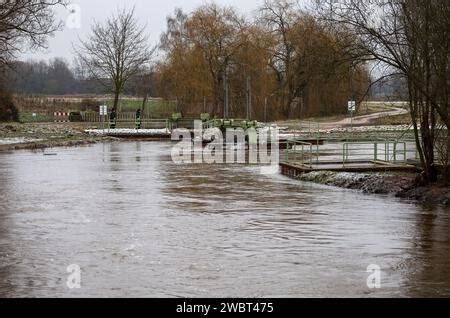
{"points": [[140, 226]]}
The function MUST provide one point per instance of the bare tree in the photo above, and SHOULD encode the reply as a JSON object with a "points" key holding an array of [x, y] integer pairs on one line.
{"points": [[306, 57], [412, 38], [26, 22], [279, 16], [115, 52], [284, 54], [22, 23], [142, 85]]}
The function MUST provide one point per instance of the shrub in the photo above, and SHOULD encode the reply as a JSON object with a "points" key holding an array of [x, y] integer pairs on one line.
{"points": [[89, 104], [8, 111]]}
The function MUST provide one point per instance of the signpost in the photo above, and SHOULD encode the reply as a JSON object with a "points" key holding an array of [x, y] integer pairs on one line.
{"points": [[351, 106], [103, 113], [351, 109]]}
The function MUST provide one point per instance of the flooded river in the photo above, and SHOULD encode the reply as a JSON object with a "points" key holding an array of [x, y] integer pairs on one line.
{"points": [[138, 225]]}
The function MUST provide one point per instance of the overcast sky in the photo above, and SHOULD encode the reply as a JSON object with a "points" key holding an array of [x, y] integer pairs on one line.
{"points": [[150, 12]]}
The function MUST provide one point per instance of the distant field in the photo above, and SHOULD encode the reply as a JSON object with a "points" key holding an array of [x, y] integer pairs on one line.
{"points": [[153, 107], [41, 108]]}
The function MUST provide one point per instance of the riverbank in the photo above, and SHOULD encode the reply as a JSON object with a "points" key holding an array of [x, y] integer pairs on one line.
{"points": [[16, 136], [402, 185]]}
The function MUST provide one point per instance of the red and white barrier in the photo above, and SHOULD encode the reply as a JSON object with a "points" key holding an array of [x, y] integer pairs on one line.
{"points": [[61, 117]]}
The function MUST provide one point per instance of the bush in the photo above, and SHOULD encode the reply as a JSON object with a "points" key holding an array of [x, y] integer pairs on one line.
{"points": [[75, 117], [88, 104], [8, 111]]}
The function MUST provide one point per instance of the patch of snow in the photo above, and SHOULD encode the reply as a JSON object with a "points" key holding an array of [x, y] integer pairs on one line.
{"points": [[102, 132], [351, 176], [17, 140], [295, 132]]}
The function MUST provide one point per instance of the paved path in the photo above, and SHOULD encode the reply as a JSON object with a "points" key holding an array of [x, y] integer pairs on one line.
{"points": [[363, 119]]}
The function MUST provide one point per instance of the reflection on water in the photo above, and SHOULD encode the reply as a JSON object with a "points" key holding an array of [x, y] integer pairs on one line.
{"points": [[139, 225]]}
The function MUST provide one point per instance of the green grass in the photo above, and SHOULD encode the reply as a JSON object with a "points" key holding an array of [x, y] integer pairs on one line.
{"points": [[156, 108], [29, 118], [153, 109]]}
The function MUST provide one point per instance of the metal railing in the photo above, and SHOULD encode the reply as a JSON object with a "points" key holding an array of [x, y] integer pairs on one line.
{"points": [[139, 124], [308, 154], [385, 151], [298, 152], [94, 117]]}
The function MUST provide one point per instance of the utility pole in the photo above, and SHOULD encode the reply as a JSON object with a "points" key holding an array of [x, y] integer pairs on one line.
{"points": [[226, 88], [265, 110], [353, 95], [249, 98]]}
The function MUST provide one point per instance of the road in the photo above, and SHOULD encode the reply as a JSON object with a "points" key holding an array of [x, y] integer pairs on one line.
{"points": [[363, 119]]}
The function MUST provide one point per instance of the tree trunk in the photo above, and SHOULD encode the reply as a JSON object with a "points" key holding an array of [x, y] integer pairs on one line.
{"points": [[446, 161], [144, 103], [430, 174], [116, 99]]}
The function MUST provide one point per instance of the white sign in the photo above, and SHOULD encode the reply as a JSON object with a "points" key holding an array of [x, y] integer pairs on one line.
{"points": [[103, 110], [351, 106]]}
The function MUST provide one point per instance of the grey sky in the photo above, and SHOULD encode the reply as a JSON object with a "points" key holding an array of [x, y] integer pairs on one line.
{"points": [[150, 12]]}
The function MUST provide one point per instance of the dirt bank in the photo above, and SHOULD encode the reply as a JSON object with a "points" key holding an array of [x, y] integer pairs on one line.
{"points": [[43, 144], [15, 136], [401, 185]]}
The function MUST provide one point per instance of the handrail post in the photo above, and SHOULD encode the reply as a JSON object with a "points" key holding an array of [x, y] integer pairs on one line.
{"points": [[287, 151], [343, 154], [395, 152], [376, 150], [386, 152], [404, 153], [303, 154]]}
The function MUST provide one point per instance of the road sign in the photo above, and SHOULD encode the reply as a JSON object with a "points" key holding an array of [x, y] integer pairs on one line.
{"points": [[351, 106], [103, 110]]}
